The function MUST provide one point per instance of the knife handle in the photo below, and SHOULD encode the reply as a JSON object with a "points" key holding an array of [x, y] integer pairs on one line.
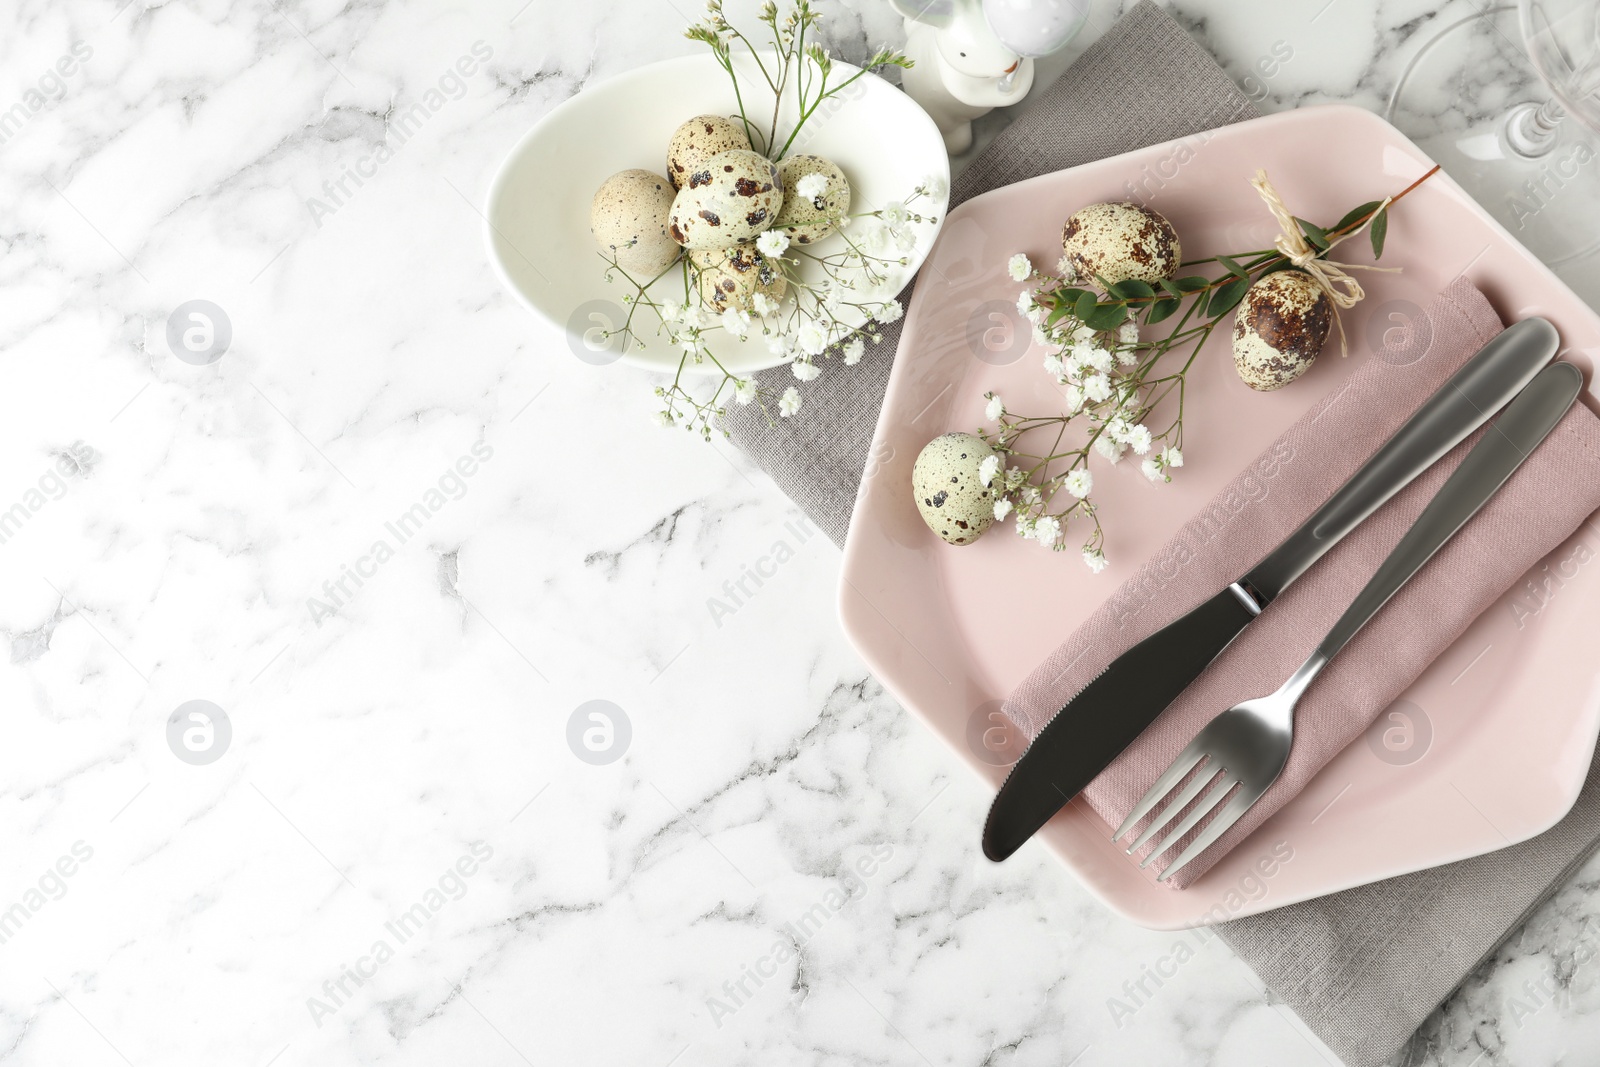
{"points": [[1471, 396], [1527, 421]]}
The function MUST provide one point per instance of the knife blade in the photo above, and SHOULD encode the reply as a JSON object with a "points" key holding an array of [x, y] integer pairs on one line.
{"points": [[1095, 725]]}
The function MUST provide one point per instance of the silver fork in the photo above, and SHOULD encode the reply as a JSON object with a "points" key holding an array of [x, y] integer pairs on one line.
{"points": [[1246, 747]]}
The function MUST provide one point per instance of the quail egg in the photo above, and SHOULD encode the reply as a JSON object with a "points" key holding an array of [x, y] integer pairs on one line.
{"points": [[733, 198], [628, 218], [949, 489], [698, 140], [731, 277], [1281, 327], [806, 218], [1116, 242]]}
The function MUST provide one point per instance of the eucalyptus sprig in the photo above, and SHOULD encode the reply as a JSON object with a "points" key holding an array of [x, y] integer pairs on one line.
{"points": [[1114, 378]]}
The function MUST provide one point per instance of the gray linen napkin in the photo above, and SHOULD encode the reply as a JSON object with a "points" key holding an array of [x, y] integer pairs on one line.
{"points": [[1364, 967]]}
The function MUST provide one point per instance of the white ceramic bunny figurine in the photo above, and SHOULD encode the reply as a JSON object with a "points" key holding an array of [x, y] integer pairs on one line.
{"points": [[961, 70]]}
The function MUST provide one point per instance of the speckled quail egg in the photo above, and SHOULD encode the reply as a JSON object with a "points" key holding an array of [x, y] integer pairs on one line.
{"points": [[950, 492], [698, 140], [1280, 328], [805, 218], [628, 218], [736, 196], [1116, 242], [731, 277]]}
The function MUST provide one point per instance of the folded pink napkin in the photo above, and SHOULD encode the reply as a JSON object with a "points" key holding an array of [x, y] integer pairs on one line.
{"points": [[1542, 504]]}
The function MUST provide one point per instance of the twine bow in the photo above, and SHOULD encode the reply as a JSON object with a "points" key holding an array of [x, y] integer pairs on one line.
{"points": [[1341, 288]]}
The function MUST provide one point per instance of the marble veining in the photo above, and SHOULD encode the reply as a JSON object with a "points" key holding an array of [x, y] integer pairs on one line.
{"points": [[403, 540]]}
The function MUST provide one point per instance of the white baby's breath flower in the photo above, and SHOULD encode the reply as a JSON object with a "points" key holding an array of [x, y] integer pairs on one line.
{"points": [[1097, 388], [1019, 268], [1118, 429], [812, 186], [1073, 395], [1152, 469], [670, 310], [1108, 448], [1094, 559], [1015, 476], [905, 239], [1025, 302], [789, 403], [889, 312], [763, 304], [1046, 529], [1078, 483], [1171, 457], [772, 243], [894, 214], [1138, 439], [1002, 508], [812, 338], [988, 468], [852, 351], [1127, 357], [1099, 359], [744, 391], [1054, 367], [995, 408], [663, 418], [933, 185], [1039, 336], [736, 322], [1128, 333], [804, 369]]}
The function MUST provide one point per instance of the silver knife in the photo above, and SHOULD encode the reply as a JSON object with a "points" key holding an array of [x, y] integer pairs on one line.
{"points": [[1114, 708]]}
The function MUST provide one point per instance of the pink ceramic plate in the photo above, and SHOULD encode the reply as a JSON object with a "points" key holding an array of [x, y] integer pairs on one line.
{"points": [[1488, 748]]}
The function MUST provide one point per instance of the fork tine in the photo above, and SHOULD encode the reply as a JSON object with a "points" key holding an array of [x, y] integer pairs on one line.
{"points": [[1204, 777], [1242, 802], [1225, 782], [1186, 761]]}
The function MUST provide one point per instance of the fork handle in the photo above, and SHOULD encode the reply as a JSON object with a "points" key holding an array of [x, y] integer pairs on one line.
{"points": [[1526, 422]]}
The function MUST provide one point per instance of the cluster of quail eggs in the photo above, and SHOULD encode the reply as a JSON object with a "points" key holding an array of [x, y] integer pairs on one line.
{"points": [[717, 197], [1281, 326]]}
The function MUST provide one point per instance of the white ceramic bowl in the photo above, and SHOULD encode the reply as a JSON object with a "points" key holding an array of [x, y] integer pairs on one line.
{"points": [[538, 212]]}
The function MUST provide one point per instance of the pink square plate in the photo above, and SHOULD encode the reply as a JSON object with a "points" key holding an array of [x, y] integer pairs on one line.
{"points": [[1490, 746]]}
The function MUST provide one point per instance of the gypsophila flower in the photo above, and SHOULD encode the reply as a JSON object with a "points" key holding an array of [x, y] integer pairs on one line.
{"points": [[1074, 398], [663, 418], [812, 186], [1094, 559], [1128, 333], [1046, 529], [995, 408], [894, 214], [889, 312], [789, 403], [1171, 457], [1002, 508], [1025, 303], [1152, 469], [1019, 268], [1054, 367], [1138, 439], [933, 185], [772, 243], [736, 322], [763, 304], [1098, 358], [852, 352], [1097, 388], [1110, 449], [1118, 429], [804, 369], [744, 391], [812, 338], [1078, 483], [988, 468]]}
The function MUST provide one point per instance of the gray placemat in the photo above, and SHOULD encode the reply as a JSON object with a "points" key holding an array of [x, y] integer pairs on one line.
{"points": [[1364, 967]]}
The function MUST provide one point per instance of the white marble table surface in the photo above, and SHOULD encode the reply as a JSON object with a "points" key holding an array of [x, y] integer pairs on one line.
{"points": [[398, 859]]}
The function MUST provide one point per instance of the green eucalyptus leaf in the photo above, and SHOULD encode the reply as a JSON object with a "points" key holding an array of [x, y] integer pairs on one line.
{"points": [[1084, 306], [1356, 214], [1380, 230], [1227, 298], [1106, 316], [1163, 308], [1314, 233], [1233, 267], [1133, 289], [1192, 284], [1169, 288]]}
